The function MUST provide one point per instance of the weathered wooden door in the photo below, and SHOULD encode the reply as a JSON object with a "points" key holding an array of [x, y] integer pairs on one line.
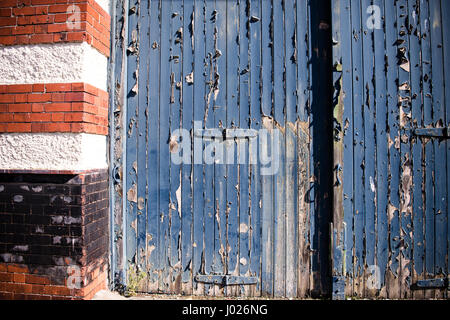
{"points": [[391, 107], [221, 184]]}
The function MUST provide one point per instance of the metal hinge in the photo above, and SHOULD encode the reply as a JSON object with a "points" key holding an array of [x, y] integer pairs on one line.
{"points": [[225, 280], [439, 283], [442, 133]]}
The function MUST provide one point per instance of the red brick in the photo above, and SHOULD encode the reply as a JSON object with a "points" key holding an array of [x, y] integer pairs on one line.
{"points": [[8, 3], [74, 96], [19, 277], [63, 27], [6, 117], [58, 87], [41, 117], [19, 107], [58, 97], [74, 117], [57, 117], [22, 288], [23, 20], [58, 107], [35, 2], [78, 127], [6, 277], [29, 278], [77, 36], [41, 28], [41, 38], [19, 127], [3, 267], [7, 21], [7, 40], [38, 288], [24, 11], [7, 98], [42, 10], [40, 87], [22, 39], [6, 31], [19, 88], [41, 19], [23, 30], [37, 107], [57, 127], [37, 97], [37, 127], [60, 17], [57, 8], [21, 117]]}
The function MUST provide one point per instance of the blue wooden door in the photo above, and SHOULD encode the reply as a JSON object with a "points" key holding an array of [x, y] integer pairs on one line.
{"points": [[391, 109], [223, 192]]}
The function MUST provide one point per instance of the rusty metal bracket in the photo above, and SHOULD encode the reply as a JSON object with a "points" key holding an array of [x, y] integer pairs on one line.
{"points": [[225, 280]]}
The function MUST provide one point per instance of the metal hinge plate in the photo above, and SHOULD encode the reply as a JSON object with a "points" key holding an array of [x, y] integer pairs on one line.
{"points": [[439, 283], [225, 280], [442, 133]]}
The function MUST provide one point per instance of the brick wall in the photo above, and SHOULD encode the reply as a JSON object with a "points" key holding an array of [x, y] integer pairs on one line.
{"points": [[53, 107], [53, 234], [45, 21]]}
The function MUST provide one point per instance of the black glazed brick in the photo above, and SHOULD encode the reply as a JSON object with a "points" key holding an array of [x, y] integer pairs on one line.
{"points": [[44, 218]]}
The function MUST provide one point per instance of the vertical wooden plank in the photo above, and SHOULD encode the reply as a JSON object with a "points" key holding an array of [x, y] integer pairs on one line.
{"points": [[370, 145], [440, 183], [337, 230], [279, 101], [164, 155], [220, 112], [176, 60], [266, 180], [187, 237], [255, 123], [211, 184], [347, 127], [403, 104], [243, 258], [445, 9], [153, 213], [232, 121], [291, 174], [429, 164], [358, 124], [416, 152], [131, 159], [393, 275], [303, 154], [199, 202], [382, 239], [142, 143]]}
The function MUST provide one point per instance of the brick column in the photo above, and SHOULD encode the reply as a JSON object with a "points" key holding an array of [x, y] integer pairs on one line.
{"points": [[53, 146]]}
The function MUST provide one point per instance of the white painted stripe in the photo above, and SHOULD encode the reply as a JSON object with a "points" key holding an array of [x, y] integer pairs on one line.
{"points": [[52, 151], [53, 63]]}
